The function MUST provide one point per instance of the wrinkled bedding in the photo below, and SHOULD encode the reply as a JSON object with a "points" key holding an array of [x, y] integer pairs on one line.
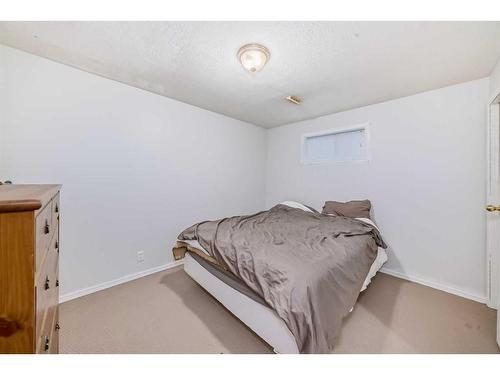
{"points": [[307, 266]]}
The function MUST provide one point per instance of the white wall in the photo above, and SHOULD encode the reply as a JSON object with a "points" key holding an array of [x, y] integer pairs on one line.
{"points": [[3, 108], [426, 180], [136, 168], [495, 82]]}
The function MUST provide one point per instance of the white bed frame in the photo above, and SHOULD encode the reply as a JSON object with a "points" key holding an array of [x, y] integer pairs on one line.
{"points": [[259, 318]]}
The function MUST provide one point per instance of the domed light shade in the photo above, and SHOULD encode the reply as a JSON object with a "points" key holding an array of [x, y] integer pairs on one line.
{"points": [[253, 57]]}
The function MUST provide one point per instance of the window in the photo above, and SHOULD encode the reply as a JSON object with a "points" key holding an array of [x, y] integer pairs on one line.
{"points": [[336, 145]]}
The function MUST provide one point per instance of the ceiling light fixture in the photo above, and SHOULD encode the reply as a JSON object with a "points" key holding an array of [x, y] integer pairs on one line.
{"points": [[294, 99], [253, 57]]}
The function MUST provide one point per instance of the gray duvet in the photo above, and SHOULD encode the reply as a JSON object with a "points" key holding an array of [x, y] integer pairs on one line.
{"points": [[308, 267]]}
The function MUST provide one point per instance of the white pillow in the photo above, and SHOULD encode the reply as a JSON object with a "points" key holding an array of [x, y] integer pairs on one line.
{"points": [[296, 205]]}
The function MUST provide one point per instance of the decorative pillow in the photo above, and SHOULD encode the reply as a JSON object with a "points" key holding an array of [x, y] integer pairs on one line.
{"points": [[348, 209]]}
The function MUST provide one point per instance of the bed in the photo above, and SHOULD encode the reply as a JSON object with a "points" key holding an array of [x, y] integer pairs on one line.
{"points": [[246, 302]]}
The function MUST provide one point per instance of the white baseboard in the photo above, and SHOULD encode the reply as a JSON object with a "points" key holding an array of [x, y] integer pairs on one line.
{"points": [[435, 285], [108, 284]]}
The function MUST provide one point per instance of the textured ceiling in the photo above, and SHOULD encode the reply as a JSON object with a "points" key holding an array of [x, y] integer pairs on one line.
{"points": [[332, 66]]}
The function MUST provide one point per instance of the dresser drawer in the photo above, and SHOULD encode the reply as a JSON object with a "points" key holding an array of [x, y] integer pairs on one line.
{"points": [[54, 341], [55, 209], [46, 342], [44, 232], [47, 284], [51, 251]]}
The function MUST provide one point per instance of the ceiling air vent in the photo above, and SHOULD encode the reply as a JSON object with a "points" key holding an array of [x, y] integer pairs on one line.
{"points": [[294, 99]]}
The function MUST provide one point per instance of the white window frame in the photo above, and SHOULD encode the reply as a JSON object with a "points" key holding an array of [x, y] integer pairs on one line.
{"points": [[345, 129]]}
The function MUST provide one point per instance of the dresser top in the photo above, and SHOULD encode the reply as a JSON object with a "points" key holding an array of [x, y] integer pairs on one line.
{"points": [[15, 197]]}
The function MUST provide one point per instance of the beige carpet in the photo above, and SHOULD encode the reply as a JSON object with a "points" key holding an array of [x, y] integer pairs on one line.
{"points": [[169, 313]]}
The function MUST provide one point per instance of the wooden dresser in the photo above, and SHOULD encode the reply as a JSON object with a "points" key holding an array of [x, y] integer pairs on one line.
{"points": [[29, 268]]}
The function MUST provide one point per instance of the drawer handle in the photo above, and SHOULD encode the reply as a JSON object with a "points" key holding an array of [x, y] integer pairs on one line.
{"points": [[57, 283], [56, 209], [46, 346], [47, 286], [57, 246], [46, 228], [57, 327]]}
